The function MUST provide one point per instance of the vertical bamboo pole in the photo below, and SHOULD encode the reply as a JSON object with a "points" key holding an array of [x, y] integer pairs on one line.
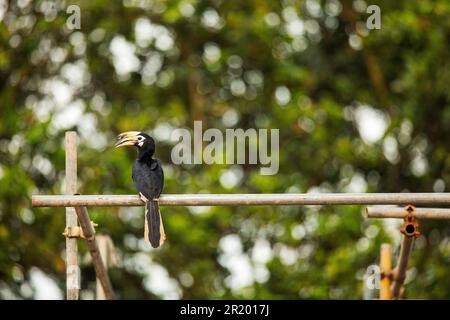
{"points": [[106, 249], [104, 254], [72, 269], [385, 268]]}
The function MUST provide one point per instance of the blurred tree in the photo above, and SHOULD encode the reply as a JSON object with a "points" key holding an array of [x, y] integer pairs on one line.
{"points": [[358, 110]]}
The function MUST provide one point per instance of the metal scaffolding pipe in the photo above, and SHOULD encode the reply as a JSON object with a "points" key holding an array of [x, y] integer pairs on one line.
{"points": [[89, 234], [245, 199], [399, 212], [402, 264]]}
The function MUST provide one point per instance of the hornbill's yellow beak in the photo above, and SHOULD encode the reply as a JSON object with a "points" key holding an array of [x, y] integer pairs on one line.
{"points": [[128, 138]]}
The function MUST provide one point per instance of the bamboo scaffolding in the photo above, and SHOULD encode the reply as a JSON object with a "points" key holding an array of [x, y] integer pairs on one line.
{"points": [[99, 266], [385, 268], [72, 268], [399, 212], [402, 264], [73, 216], [245, 199], [76, 208]]}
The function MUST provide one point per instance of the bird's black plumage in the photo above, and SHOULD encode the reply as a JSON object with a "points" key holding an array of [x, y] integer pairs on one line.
{"points": [[148, 175], [148, 178]]}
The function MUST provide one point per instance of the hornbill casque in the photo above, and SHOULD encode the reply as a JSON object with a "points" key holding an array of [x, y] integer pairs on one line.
{"points": [[148, 178]]}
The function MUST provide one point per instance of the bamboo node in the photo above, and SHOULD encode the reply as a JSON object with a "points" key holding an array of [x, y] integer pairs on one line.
{"points": [[387, 274]]}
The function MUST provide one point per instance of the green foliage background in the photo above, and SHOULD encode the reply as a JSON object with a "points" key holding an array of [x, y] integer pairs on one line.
{"points": [[227, 55]]}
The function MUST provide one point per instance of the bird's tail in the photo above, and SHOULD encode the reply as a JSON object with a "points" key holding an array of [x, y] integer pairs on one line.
{"points": [[154, 228]]}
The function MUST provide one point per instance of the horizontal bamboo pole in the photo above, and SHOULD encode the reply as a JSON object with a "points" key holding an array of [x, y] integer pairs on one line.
{"points": [[399, 212], [89, 234], [245, 199], [402, 265]]}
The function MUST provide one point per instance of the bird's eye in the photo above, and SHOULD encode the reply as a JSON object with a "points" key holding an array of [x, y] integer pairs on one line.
{"points": [[139, 138]]}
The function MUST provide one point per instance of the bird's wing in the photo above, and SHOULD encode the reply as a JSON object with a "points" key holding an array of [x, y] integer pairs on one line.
{"points": [[154, 165]]}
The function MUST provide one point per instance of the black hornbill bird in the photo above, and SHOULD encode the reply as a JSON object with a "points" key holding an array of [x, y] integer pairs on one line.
{"points": [[148, 178]]}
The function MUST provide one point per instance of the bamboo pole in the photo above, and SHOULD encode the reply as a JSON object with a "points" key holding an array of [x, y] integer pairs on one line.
{"points": [[89, 234], [402, 264], [399, 212], [246, 199], [106, 249], [72, 268], [385, 268]]}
